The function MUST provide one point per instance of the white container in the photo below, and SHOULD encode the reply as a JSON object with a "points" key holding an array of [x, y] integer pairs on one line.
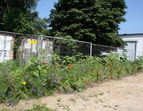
{"points": [[6, 47]]}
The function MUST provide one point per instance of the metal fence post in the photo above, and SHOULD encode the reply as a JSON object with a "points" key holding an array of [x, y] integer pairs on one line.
{"points": [[90, 49], [40, 38], [4, 46]]}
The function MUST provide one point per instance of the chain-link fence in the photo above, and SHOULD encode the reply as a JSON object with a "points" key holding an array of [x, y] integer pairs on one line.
{"points": [[23, 46]]}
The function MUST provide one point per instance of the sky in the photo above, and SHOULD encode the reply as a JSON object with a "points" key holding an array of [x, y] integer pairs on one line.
{"points": [[134, 15]]}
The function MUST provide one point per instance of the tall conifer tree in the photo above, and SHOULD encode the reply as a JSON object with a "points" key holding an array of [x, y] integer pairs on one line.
{"points": [[95, 21]]}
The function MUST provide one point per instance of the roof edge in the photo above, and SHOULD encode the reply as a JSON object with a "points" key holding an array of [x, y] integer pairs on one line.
{"points": [[130, 34]]}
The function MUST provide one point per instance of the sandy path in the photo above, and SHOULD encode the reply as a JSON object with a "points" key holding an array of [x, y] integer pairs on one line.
{"points": [[124, 94]]}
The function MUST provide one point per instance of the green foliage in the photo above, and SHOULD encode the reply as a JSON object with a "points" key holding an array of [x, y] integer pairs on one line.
{"points": [[65, 60], [19, 16], [139, 62], [95, 21], [35, 79]]}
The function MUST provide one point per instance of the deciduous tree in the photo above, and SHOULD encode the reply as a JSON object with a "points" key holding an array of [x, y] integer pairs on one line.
{"points": [[20, 16]]}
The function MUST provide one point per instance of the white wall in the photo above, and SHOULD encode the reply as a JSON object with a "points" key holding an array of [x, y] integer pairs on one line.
{"points": [[139, 42]]}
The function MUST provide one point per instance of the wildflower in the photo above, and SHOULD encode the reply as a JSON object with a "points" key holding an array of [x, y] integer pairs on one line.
{"points": [[49, 78], [25, 77], [23, 83], [108, 75], [11, 80], [25, 72], [71, 66], [0, 94], [53, 74], [23, 94], [54, 67], [86, 82], [43, 63], [54, 80], [100, 73], [9, 102], [91, 86], [38, 62], [33, 89], [9, 94], [61, 65], [68, 68], [12, 104]]}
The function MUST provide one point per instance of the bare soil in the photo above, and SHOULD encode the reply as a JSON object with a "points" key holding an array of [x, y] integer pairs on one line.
{"points": [[125, 94]]}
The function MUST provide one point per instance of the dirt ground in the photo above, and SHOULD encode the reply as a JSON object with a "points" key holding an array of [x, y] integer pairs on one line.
{"points": [[125, 94]]}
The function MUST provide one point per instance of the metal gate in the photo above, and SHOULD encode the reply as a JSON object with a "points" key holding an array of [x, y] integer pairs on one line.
{"points": [[35, 46]]}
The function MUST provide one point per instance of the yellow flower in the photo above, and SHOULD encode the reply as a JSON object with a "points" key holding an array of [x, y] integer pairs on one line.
{"points": [[100, 73], [11, 80], [23, 83], [49, 78], [45, 94], [23, 94]]}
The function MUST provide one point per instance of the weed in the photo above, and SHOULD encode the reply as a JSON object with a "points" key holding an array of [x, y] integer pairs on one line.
{"points": [[92, 95], [59, 100], [73, 100], [101, 93], [66, 108], [107, 106], [39, 107]]}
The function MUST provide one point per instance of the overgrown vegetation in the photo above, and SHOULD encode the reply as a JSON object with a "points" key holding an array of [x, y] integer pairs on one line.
{"points": [[36, 79]]}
